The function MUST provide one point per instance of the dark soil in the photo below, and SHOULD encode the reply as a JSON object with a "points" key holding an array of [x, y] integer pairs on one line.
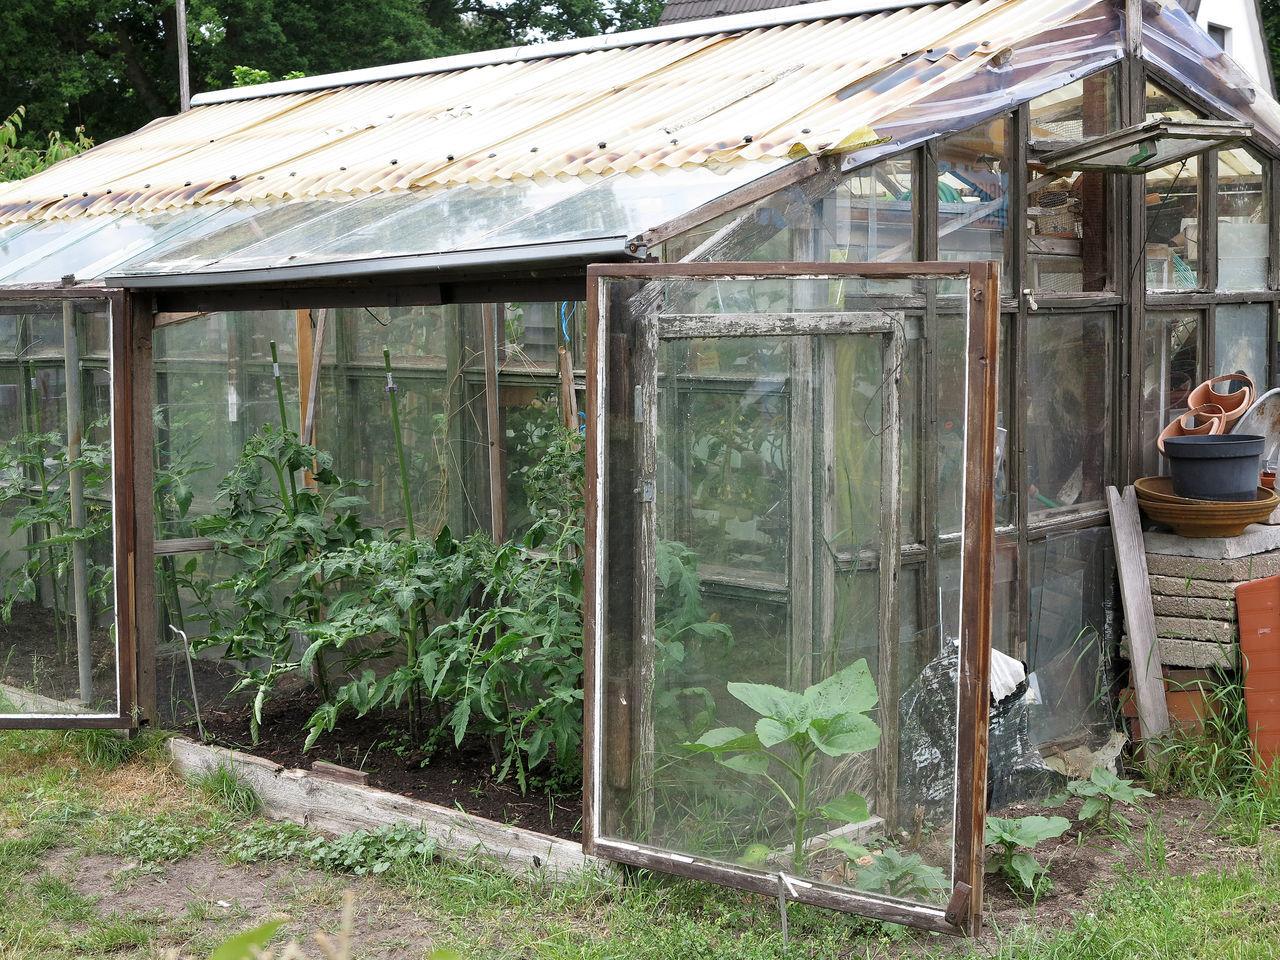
{"points": [[457, 778], [29, 658]]}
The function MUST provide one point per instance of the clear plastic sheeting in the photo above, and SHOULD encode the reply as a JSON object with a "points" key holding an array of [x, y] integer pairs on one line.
{"points": [[1085, 36], [1172, 41], [57, 639], [780, 639], [487, 217]]}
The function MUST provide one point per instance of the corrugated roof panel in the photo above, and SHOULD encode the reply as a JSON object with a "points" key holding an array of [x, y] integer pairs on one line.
{"points": [[803, 87]]}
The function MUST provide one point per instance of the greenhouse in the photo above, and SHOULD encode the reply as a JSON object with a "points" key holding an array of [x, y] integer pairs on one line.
{"points": [[697, 412]]}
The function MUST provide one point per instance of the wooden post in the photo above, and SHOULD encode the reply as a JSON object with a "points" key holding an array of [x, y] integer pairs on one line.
{"points": [[1139, 618], [493, 420], [75, 484], [132, 404]]}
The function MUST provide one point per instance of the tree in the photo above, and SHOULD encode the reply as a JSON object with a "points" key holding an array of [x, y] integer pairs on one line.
{"points": [[111, 65], [18, 161]]}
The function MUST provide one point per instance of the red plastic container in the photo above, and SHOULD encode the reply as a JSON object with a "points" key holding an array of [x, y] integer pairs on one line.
{"points": [[1258, 606]]}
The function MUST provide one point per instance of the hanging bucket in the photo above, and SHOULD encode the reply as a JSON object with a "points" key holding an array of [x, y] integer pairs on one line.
{"points": [[1233, 404], [1215, 467], [1199, 421]]}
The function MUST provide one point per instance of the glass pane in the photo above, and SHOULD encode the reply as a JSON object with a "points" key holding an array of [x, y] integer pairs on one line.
{"points": [[1071, 578], [1088, 107], [1171, 367], [1244, 220], [1240, 334], [1162, 103], [870, 215], [1173, 226], [973, 209], [1069, 370], [767, 586], [57, 645]]}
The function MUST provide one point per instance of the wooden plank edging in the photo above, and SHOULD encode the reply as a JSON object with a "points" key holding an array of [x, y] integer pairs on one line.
{"points": [[338, 807]]}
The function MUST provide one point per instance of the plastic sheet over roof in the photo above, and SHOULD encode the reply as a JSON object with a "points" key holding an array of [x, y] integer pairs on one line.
{"points": [[567, 149], [767, 93]]}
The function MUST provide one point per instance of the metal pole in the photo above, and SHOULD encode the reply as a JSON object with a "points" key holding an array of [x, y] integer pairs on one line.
{"points": [[75, 481], [184, 68]]}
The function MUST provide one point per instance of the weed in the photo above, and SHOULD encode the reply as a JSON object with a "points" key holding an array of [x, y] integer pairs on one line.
{"points": [[161, 840], [1101, 792], [1013, 840], [224, 787], [907, 877]]}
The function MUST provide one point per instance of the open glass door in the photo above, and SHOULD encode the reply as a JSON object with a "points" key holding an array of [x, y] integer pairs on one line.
{"points": [[61, 664], [790, 579]]}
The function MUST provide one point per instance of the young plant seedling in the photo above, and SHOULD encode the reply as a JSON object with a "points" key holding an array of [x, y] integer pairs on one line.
{"points": [[794, 729], [1101, 792], [1018, 865], [907, 877]]}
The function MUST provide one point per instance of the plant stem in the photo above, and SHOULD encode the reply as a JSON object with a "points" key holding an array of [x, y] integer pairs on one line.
{"points": [[284, 420]]}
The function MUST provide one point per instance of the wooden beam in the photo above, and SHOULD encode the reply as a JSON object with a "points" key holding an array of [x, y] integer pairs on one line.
{"points": [[493, 421], [1139, 618], [140, 564]]}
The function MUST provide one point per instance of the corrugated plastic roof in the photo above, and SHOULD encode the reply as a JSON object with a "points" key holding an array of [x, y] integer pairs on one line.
{"points": [[762, 94]]}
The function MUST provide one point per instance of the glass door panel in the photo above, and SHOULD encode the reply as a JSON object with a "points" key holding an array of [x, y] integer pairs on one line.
{"points": [[773, 702], [58, 653]]}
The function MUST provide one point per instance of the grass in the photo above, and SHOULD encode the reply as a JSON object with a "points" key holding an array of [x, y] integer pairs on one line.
{"points": [[76, 805]]}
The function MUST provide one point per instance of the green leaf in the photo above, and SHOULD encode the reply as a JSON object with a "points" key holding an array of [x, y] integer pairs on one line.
{"points": [[772, 732], [846, 846], [1091, 808], [848, 808], [845, 734], [752, 763], [241, 946], [1025, 868], [768, 700], [851, 690]]}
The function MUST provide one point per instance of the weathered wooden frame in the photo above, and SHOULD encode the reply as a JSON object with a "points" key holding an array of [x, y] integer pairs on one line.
{"points": [[963, 914], [124, 515]]}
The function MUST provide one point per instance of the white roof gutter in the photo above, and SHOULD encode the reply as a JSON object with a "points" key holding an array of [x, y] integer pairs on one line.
{"points": [[826, 10]]}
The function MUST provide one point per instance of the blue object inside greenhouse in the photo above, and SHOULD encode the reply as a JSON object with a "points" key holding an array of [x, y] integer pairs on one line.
{"points": [[245, 236]]}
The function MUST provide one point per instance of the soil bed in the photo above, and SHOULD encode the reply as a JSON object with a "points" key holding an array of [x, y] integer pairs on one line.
{"points": [[29, 657], [462, 779]]}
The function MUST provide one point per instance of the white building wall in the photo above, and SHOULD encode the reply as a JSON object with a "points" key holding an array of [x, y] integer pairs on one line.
{"points": [[1244, 41]]}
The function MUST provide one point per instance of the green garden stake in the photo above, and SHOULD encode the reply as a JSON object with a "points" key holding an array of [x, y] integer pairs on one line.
{"points": [[415, 708], [284, 420], [395, 423]]}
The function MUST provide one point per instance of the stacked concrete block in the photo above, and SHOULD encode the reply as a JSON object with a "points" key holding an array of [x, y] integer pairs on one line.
{"points": [[1193, 584]]}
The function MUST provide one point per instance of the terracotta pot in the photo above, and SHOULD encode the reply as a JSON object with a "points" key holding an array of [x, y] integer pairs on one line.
{"points": [[1204, 420], [1233, 404]]}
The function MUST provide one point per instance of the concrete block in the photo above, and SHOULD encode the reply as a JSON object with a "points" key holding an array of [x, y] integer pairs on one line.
{"points": [[1194, 607], [1197, 654], [1192, 628], [1256, 539], [1183, 587], [1238, 569]]}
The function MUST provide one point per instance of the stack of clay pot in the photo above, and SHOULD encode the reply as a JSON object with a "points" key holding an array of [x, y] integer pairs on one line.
{"points": [[1213, 490], [1211, 413]]}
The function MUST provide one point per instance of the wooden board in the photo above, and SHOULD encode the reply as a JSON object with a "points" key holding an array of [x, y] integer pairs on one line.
{"points": [[1135, 590], [339, 807]]}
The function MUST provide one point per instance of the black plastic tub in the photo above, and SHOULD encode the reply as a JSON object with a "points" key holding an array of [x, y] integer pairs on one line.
{"points": [[1215, 467]]}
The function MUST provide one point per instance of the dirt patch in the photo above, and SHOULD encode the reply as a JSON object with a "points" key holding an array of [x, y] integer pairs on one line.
{"points": [[1177, 834], [462, 778], [218, 900], [34, 658]]}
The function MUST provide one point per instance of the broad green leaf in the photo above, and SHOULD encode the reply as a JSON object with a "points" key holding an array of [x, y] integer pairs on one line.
{"points": [[846, 691], [1091, 808], [772, 732], [848, 808], [846, 846], [768, 700], [846, 734], [1026, 868], [242, 945], [725, 738], [752, 763]]}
